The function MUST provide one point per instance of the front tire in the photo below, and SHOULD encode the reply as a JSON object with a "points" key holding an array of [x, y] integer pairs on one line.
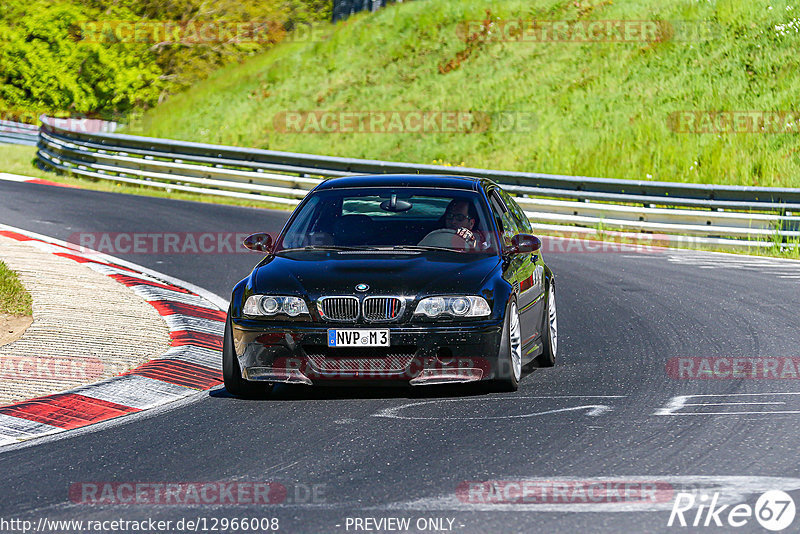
{"points": [[509, 360], [232, 373], [549, 331]]}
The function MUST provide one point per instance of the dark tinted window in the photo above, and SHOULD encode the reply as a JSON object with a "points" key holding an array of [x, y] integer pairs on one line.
{"points": [[519, 216], [386, 217], [505, 220]]}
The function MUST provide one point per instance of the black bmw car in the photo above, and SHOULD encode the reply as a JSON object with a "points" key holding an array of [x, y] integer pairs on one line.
{"points": [[393, 279]]}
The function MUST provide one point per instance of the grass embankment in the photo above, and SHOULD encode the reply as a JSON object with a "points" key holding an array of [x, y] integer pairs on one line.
{"points": [[15, 306], [600, 108], [14, 299]]}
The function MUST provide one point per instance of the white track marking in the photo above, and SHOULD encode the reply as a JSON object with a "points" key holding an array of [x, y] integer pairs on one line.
{"points": [[199, 355], [150, 293], [109, 270], [679, 402], [198, 324], [130, 418], [732, 489], [734, 403], [8, 177], [135, 391], [779, 267], [593, 409], [17, 428]]}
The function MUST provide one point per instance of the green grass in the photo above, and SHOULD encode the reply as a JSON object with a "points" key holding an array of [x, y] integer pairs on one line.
{"points": [[601, 109], [14, 300], [18, 159]]}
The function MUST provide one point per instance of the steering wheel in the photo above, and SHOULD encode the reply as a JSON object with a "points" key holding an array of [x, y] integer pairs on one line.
{"points": [[448, 238]]}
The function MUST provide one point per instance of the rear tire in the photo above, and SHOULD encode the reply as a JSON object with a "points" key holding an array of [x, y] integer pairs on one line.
{"points": [[549, 330], [232, 373], [509, 358]]}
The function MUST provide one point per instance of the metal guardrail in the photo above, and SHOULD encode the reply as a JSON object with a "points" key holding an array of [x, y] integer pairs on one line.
{"points": [[342, 9], [737, 216], [18, 133]]}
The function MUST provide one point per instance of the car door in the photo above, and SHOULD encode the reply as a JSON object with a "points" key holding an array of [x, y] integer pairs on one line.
{"points": [[531, 272], [519, 269]]}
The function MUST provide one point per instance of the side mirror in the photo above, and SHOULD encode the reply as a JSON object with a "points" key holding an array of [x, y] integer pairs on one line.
{"points": [[259, 242], [524, 244]]}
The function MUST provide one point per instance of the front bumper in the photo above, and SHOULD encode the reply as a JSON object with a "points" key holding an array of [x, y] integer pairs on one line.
{"points": [[297, 353]]}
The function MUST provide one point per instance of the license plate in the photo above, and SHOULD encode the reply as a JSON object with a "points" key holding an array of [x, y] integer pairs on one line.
{"points": [[341, 337]]}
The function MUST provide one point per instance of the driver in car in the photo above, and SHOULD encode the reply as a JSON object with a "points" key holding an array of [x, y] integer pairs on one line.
{"points": [[460, 219]]}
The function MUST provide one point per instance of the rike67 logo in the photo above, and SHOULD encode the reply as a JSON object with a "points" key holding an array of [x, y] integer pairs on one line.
{"points": [[774, 510]]}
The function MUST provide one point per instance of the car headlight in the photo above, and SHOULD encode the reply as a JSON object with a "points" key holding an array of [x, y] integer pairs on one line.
{"points": [[466, 306], [274, 305]]}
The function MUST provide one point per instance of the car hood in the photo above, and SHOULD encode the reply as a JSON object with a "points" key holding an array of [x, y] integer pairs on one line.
{"points": [[318, 273]]}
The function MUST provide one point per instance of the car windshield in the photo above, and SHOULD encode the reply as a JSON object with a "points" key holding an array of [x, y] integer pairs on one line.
{"points": [[392, 218]]}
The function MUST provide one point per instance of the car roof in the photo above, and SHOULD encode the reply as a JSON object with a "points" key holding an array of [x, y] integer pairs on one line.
{"points": [[402, 180]]}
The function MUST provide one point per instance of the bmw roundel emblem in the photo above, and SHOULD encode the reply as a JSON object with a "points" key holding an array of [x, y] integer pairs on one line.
{"points": [[362, 287]]}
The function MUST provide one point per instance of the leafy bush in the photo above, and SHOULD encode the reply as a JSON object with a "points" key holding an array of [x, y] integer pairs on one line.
{"points": [[47, 66]]}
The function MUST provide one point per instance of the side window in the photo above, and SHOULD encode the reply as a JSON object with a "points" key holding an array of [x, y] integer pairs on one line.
{"points": [[516, 212], [505, 219]]}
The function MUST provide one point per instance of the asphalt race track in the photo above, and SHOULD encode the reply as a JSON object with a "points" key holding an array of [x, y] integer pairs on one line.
{"points": [[606, 411]]}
